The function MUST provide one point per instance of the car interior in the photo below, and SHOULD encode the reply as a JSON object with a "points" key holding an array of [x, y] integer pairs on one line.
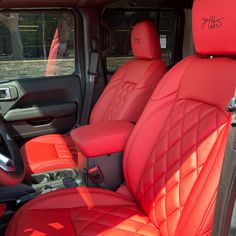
{"points": [[117, 117]]}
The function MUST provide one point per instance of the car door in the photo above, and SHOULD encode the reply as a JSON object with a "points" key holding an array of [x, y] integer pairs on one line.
{"points": [[40, 71]]}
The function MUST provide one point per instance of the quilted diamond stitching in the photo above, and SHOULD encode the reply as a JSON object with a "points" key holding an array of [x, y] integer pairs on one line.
{"points": [[125, 218], [164, 177], [119, 100]]}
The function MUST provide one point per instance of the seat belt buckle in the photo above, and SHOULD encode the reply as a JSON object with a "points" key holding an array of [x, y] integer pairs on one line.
{"points": [[93, 76], [231, 107], [96, 175]]}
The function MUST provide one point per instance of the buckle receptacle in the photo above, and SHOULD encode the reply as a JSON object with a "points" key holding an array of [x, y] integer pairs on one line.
{"points": [[231, 107], [96, 175]]}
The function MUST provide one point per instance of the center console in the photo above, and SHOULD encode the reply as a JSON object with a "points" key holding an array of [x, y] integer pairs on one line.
{"points": [[103, 145]]}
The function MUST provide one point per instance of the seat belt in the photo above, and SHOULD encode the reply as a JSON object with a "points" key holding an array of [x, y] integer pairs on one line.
{"points": [[226, 194], [92, 75]]}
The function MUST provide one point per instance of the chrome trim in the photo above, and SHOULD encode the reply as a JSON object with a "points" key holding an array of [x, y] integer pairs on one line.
{"points": [[7, 92], [6, 163]]}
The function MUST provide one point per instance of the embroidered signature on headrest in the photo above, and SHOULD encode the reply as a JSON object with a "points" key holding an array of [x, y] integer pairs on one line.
{"points": [[212, 23]]}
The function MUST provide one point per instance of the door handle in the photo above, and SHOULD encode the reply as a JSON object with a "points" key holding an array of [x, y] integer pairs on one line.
{"points": [[8, 93], [5, 94]]}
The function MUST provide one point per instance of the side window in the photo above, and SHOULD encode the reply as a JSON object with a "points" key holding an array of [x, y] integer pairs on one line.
{"points": [[36, 44], [168, 35], [118, 26]]}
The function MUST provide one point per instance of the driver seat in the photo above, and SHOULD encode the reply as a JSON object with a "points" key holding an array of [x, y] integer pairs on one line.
{"points": [[173, 158]]}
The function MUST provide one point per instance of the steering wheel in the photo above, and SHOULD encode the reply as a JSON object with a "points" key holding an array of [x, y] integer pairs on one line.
{"points": [[11, 166]]}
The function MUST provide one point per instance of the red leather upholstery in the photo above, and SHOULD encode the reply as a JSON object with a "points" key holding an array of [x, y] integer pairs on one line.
{"points": [[177, 176], [214, 34], [55, 150], [145, 42], [123, 190], [131, 86], [172, 162], [126, 95], [86, 213], [103, 138], [124, 98]]}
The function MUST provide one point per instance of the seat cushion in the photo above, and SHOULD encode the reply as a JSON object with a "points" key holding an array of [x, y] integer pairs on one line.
{"points": [[49, 152], [85, 211]]}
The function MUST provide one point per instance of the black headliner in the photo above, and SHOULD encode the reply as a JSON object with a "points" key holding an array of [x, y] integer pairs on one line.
{"points": [[84, 3]]}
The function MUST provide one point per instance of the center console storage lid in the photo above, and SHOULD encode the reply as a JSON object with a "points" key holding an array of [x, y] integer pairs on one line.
{"points": [[102, 138]]}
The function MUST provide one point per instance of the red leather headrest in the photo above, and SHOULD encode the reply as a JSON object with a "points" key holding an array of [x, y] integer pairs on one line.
{"points": [[145, 41], [214, 27]]}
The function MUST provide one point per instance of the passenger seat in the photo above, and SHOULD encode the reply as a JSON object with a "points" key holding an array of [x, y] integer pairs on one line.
{"points": [[124, 98]]}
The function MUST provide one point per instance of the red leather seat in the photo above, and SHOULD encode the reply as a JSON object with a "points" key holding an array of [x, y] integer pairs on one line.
{"points": [[123, 99], [177, 146]]}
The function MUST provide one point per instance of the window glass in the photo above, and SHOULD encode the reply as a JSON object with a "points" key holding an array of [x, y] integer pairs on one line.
{"points": [[36, 44], [122, 22], [167, 31]]}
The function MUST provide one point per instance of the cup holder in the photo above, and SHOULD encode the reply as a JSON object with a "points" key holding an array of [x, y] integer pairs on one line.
{"points": [[41, 178], [59, 175]]}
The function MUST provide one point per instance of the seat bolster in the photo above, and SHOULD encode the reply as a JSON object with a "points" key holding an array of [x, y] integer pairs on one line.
{"points": [[124, 191], [66, 200], [52, 139], [78, 197], [81, 211]]}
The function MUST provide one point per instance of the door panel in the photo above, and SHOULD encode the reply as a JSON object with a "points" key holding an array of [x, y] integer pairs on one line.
{"points": [[40, 83], [42, 106]]}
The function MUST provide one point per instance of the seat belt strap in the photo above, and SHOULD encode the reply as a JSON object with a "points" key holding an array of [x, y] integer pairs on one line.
{"points": [[92, 76], [224, 202]]}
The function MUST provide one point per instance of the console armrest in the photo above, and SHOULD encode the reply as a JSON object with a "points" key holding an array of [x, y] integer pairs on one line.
{"points": [[103, 138]]}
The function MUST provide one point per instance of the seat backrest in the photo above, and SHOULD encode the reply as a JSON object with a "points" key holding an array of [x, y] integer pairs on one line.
{"points": [[131, 86], [173, 158]]}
